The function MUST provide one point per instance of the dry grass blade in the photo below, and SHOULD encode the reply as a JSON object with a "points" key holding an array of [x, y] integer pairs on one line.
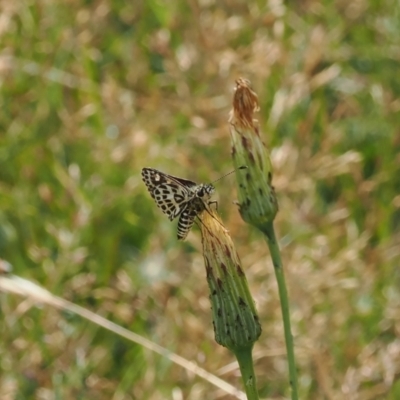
{"points": [[16, 285]]}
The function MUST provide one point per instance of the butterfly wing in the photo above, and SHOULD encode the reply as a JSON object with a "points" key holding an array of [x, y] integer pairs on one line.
{"points": [[185, 222], [188, 216], [171, 194]]}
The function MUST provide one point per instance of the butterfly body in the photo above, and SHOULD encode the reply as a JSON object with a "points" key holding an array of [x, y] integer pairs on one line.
{"points": [[177, 197]]}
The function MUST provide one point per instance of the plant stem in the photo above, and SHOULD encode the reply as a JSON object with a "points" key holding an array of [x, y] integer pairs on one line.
{"points": [[245, 361], [280, 277]]}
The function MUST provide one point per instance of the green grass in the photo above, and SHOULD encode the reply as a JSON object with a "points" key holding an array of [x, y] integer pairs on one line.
{"points": [[91, 92]]}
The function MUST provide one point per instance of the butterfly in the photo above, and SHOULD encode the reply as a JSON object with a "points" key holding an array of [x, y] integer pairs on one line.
{"points": [[177, 197]]}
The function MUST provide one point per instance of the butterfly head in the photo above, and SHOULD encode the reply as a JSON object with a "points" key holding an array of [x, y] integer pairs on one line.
{"points": [[205, 191]]}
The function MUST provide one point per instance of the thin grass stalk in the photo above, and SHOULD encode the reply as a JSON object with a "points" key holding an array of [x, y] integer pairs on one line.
{"points": [[257, 200]]}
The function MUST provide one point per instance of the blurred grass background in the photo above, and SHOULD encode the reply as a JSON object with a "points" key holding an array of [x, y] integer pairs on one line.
{"points": [[92, 91]]}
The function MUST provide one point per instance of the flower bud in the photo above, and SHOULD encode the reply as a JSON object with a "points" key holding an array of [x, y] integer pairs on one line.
{"points": [[235, 318], [257, 199]]}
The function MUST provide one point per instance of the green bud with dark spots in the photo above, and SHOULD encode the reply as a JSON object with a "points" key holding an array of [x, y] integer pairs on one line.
{"points": [[257, 199], [235, 317]]}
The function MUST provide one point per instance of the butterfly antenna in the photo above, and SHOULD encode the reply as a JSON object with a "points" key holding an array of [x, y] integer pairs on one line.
{"points": [[237, 169]]}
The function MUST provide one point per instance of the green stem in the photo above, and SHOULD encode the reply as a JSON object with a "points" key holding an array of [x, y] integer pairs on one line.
{"points": [[280, 277], [245, 361]]}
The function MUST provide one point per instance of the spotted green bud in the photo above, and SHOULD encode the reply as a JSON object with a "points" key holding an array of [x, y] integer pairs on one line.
{"points": [[257, 201], [235, 318]]}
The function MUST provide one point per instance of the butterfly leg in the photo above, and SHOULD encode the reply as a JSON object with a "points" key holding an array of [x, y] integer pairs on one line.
{"points": [[206, 208], [202, 223]]}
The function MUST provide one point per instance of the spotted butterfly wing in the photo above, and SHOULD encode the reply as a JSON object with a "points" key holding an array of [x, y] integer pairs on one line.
{"points": [[177, 196], [188, 215], [170, 193]]}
